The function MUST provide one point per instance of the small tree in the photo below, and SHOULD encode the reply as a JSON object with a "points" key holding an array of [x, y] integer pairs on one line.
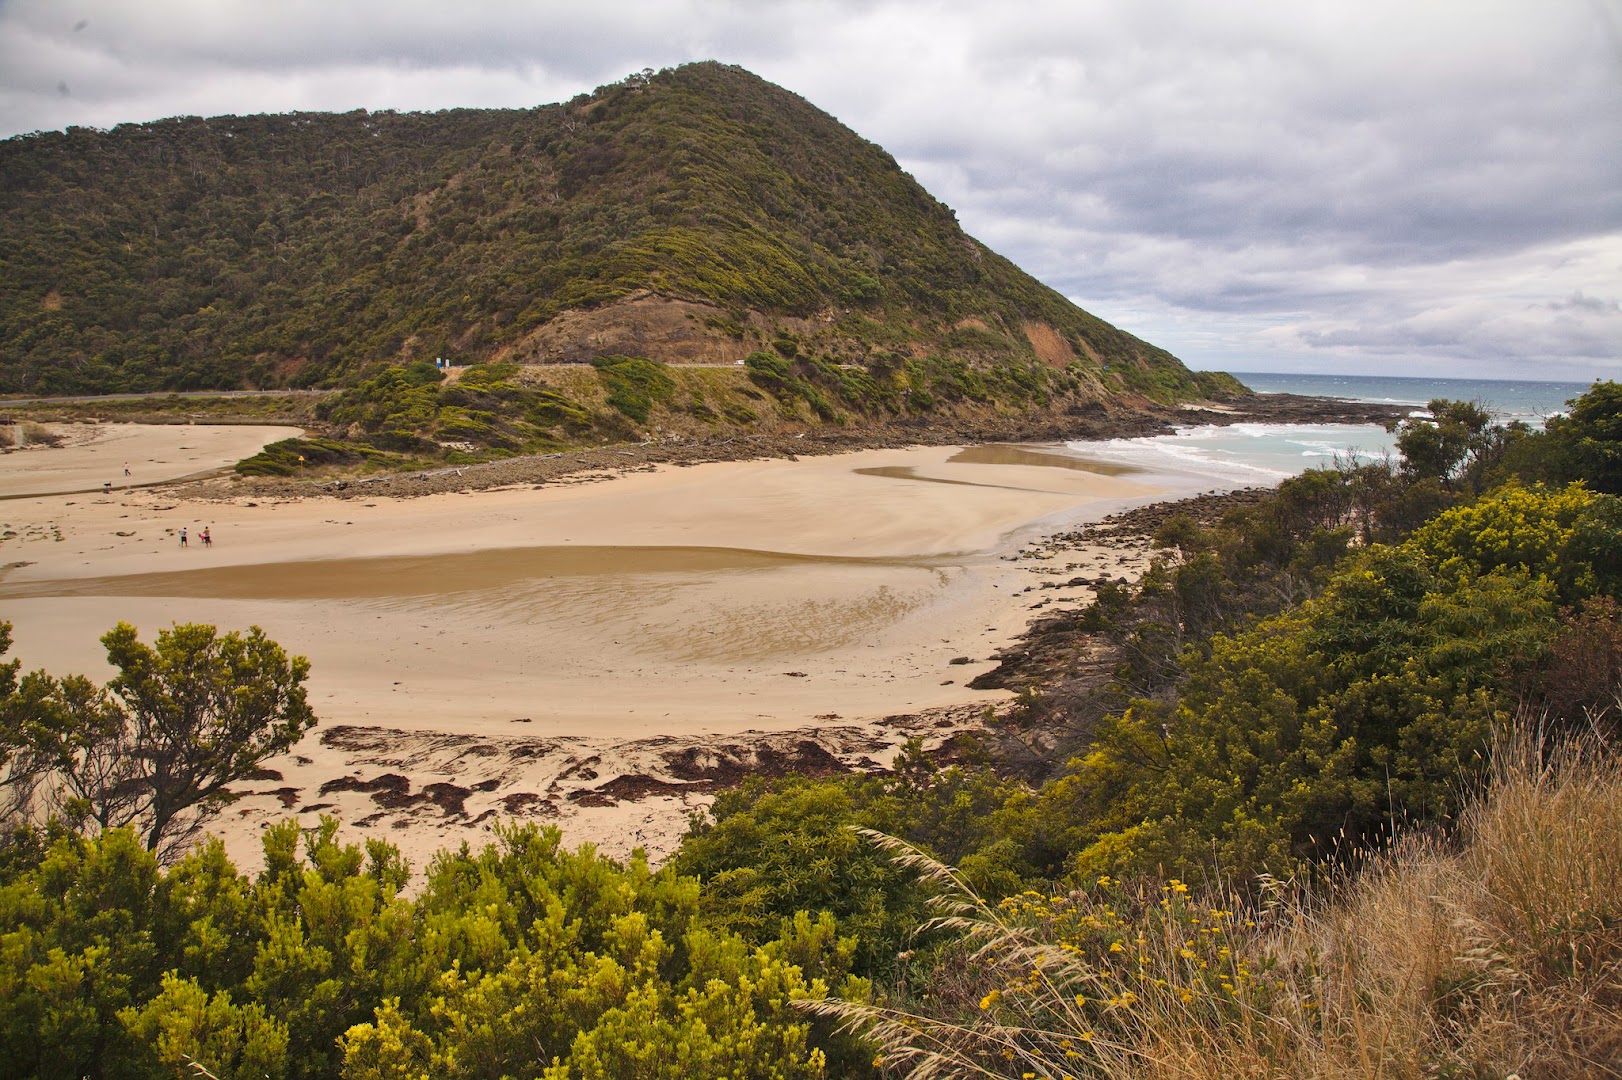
{"points": [[1589, 438], [17, 758], [1445, 445], [158, 747]]}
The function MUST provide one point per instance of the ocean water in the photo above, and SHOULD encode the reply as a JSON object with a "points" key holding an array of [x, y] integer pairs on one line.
{"points": [[1508, 399], [1245, 455]]}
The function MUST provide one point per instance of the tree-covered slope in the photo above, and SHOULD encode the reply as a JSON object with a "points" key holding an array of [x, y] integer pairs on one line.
{"points": [[697, 213]]}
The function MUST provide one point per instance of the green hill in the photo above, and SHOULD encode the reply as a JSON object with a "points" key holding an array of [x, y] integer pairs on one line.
{"points": [[696, 214]]}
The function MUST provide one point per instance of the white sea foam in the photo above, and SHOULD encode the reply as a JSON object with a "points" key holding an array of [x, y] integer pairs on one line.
{"points": [[1246, 454]]}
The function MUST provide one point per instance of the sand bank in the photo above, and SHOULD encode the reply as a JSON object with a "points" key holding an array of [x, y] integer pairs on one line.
{"points": [[124, 456], [599, 654]]}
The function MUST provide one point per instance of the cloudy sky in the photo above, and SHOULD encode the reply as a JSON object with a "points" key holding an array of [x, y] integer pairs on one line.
{"points": [[1423, 187]]}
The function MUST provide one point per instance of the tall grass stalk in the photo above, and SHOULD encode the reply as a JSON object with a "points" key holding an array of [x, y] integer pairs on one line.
{"points": [[1493, 952]]}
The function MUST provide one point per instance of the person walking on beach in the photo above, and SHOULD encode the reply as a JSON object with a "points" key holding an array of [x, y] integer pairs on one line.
{"points": [[206, 541], [126, 468], [183, 536]]}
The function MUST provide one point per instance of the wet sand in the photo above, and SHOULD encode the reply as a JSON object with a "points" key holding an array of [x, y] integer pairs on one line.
{"points": [[673, 610]]}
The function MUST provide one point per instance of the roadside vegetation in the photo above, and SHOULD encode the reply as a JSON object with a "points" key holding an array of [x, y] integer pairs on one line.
{"points": [[293, 409], [1348, 806]]}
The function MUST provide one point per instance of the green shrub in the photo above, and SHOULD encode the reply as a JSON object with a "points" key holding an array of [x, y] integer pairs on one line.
{"points": [[634, 384], [286, 457]]}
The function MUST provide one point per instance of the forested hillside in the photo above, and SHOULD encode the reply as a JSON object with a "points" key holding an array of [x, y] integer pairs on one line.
{"points": [[693, 214]]}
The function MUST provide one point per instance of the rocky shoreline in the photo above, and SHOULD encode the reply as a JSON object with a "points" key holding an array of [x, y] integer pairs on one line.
{"points": [[603, 462], [1053, 646]]}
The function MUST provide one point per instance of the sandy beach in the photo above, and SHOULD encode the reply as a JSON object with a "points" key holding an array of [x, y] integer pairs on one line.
{"points": [[123, 456], [600, 653]]}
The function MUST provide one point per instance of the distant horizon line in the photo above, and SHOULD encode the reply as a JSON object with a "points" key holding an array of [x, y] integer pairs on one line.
{"points": [[1420, 378]]}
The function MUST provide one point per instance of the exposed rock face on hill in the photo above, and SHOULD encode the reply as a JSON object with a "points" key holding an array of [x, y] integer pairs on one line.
{"points": [[694, 215]]}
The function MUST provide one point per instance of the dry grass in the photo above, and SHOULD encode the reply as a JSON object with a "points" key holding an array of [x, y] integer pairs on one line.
{"points": [[29, 433], [1497, 954]]}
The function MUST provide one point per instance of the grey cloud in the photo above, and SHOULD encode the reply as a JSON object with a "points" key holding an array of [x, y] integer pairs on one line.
{"points": [[1471, 332], [1577, 302], [1386, 162]]}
